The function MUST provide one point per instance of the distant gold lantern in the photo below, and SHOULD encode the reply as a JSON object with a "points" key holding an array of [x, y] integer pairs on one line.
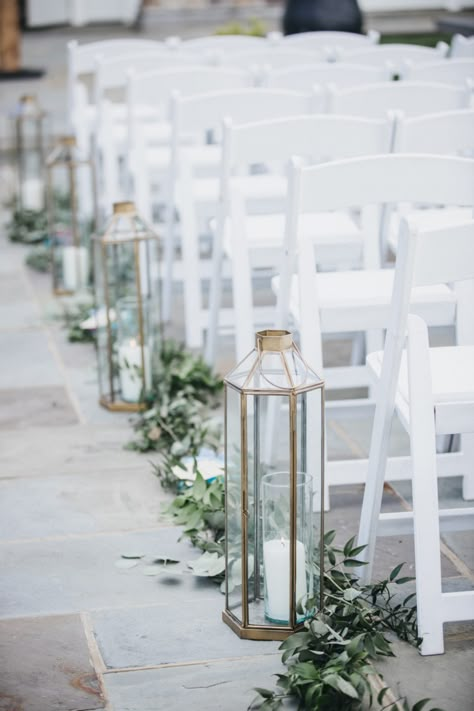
{"points": [[71, 202], [127, 308], [29, 130], [274, 448]]}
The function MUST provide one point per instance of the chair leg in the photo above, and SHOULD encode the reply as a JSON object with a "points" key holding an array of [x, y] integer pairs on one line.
{"points": [[215, 288], [191, 266], [425, 491], [467, 447]]}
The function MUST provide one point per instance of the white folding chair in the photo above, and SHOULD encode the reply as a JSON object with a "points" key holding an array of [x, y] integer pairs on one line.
{"points": [[445, 133], [432, 391], [445, 71], [304, 77], [396, 55], [148, 161], [247, 240], [462, 47], [81, 61], [345, 302], [110, 128], [267, 58], [196, 198], [413, 98]]}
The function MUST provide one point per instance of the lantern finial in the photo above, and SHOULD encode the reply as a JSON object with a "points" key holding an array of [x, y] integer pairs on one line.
{"points": [[273, 340], [125, 207]]}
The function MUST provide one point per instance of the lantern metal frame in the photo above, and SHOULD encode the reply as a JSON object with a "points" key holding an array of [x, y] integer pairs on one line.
{"points": [[105, 240], [28, 109], [65, 154], [270, 341]]}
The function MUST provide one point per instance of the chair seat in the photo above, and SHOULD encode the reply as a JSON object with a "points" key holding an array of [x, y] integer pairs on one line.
{"points": [[427, 219], [452, 375], [337, 236], [263, 186], [360, 300]]}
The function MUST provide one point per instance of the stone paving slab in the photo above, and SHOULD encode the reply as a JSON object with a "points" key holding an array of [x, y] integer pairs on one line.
{"points": [[63, 505], [26, 360], [44, 666], [447, 679], [83, 449], [346, 503], [16, 308], [219, 686], [66, 574], [188, 632], [23, 408]]}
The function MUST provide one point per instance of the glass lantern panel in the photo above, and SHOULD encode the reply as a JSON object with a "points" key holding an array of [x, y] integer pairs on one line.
{"points": [[71, 223], [233, 503], [273, 371], [309, 463], [268, 455], [127, 344], [30, 160]]}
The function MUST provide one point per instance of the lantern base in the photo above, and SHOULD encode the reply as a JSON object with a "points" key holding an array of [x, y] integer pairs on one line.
{"points": [[270, 634], [121, 405]]}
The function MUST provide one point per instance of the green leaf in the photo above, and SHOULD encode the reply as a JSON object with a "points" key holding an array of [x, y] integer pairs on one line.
{"points": [[347, 688], [133, 556], [264, 692], [420, 704], [395, 572], [402, 581]]}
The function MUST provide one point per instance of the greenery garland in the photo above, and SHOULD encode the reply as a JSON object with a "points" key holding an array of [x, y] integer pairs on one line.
{"points": [[177, 422]]}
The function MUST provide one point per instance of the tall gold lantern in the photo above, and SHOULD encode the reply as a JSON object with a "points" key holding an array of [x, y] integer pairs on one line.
{"points": [[127, 308], [29, 129], [274, 449], [71, 203]]}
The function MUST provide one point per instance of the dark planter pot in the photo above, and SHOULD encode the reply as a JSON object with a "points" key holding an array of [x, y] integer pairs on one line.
{"points": [[314, 15]]}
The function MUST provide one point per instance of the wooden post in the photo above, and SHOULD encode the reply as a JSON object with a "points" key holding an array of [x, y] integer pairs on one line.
{"points": [[9, 36]]}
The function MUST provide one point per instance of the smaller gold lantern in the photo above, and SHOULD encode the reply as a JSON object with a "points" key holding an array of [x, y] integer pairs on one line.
{"points": [[29, 128], [71, 202], [274, 449], [126, 274]]}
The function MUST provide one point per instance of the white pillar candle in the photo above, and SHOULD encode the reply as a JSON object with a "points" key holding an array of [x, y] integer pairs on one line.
{"points": [[32, 194], [75, 267], [130, 369], [276, 563]]}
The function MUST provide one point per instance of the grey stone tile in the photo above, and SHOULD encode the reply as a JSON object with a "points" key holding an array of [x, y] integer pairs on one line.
{"points": [[462, 543], [447, 679], [44, 666], [47, 406], [222, 686], [17, 310], [88, 503], [68, 574], [26, 361], [80, 449], [189, 632]]}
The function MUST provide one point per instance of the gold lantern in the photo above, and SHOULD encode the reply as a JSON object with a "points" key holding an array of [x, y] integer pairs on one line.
{"points": [[71, 202], [127, 314], [29, 129], [274, 449]]}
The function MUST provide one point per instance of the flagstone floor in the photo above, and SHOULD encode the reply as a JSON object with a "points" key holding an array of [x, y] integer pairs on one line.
{"points": [[78, 633]]}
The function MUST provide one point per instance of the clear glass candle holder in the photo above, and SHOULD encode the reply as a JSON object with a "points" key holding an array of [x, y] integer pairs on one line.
{"points": [[277, 538]]}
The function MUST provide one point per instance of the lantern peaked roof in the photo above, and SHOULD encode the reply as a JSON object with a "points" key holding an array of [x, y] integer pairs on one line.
{"points": [[275, 365], [126, 225]]}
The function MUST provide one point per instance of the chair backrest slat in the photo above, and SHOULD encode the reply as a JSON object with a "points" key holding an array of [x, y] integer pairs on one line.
{"points": [[406, 178], [413, 98], [444, 255], [445, 71], [207, 110], [449, 132], [318, 136], [303, 77]]}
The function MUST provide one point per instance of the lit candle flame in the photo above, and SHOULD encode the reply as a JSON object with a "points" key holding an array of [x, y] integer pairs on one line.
{"points": [[133, 343]]}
